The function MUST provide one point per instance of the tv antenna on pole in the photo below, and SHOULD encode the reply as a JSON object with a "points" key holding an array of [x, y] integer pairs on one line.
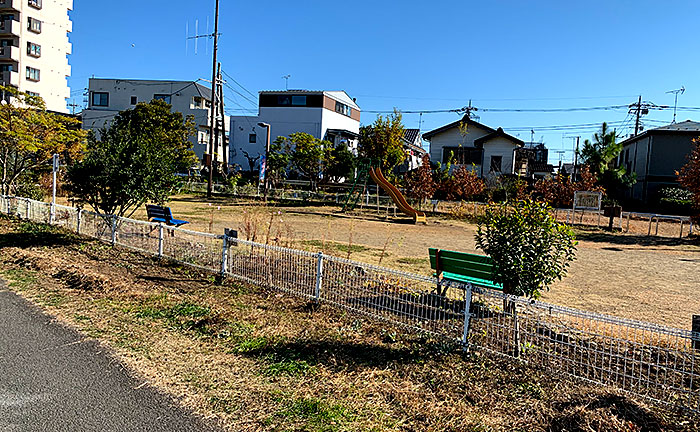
{"points": [[675, 102], [286, 81]]}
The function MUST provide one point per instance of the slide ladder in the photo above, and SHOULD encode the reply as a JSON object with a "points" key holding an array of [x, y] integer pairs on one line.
{"points": [[396, 195], [358, 187]]}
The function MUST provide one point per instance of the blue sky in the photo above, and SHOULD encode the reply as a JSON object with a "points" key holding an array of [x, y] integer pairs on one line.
{"points": [[416, 55]]}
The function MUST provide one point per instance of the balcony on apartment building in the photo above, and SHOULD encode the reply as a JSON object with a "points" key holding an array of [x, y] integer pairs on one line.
{"points": [[10, 78], [9, 27], [9, 53], [9, 5]]}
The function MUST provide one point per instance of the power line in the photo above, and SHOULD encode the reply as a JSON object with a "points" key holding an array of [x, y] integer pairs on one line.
{"points": [[239, 84]]}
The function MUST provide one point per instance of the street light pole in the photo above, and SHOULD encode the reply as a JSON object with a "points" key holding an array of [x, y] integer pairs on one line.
{"points": [[267, 154]]}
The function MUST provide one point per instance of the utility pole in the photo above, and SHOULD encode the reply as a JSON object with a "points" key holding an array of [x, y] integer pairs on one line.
{"points": [[638, 113], [212, 117], [468, 110], [578, 138]]}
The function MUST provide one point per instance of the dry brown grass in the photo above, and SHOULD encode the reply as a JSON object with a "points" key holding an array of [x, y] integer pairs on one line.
{"points": [[645, 278], [257, 360]]}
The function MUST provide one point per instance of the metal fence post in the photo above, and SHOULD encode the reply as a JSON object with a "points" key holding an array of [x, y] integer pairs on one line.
{"points": [[160, 240], [696, 332], [80, 220], [319, 277], [52, 213], [114, 230], [467, 316], [224, 255]]}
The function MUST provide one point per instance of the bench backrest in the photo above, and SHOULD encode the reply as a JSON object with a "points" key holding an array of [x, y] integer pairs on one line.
{"points": [[461, 263], [155, 211]]}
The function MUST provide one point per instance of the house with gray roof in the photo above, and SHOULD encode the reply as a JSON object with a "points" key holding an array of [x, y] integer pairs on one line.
{"points": [[491, 152], [656, 155]]}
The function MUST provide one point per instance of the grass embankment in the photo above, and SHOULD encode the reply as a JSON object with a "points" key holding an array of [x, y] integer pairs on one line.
{"points": [[257, 360]]}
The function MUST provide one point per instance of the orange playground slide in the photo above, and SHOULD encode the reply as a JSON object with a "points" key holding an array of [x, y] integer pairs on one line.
{"points": [[396, 195]]}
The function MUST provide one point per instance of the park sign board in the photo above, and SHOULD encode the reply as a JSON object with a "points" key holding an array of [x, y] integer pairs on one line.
{"points": [[587, 200]]}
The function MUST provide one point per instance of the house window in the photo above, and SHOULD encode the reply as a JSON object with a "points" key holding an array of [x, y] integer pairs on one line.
{"points": [[31, 93], [496, 162], [33, 74], [34, 3], [341, 108], [6, 68], [100, 99], [462, 155], [34, 25], [197, 103], [284, 100], [163, 97], [299, 100], [5, 42], [252, 138], [134, 100], [33, 49]]}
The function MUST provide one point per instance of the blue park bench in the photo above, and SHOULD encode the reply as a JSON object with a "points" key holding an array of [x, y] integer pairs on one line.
{"points": [[163, 214], [463, 267]]}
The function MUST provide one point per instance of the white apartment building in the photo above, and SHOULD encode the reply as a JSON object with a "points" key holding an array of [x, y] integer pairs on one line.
{"points": [[34, 48], [107, 97], [328, 115]]}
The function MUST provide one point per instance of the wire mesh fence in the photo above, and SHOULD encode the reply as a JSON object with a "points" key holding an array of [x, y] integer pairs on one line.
{"points": [[653, 361]]}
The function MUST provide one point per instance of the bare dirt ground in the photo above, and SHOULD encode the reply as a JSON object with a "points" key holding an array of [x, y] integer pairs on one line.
{"points": [[652, 279], [257, 360]]}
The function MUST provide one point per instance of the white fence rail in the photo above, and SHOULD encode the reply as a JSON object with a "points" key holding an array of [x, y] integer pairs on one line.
{"points": [[653, 361]]}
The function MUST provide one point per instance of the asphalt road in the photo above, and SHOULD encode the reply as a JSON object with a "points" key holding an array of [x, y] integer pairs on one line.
{"points": [[53, 379]]}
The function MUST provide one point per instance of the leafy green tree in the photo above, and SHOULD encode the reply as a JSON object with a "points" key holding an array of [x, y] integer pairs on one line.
{"points": [[30, 136], [134, 160], [382, 142], [529, 248], [278, 160], [309, 156], [600, 155], [340, 164]]}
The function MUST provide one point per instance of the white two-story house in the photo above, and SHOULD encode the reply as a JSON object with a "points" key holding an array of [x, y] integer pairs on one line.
{"points": [[491, 152], [327, 115]]}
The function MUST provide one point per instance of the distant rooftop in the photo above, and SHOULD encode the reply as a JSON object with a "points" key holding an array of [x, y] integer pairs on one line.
{"points": [[687, 125], [684, 127], [339, 95]]}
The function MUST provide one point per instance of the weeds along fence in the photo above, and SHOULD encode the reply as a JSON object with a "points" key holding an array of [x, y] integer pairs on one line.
{"points": [[644, 359], [632, 223]]}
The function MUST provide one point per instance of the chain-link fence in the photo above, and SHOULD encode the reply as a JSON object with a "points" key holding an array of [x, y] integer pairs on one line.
{"points": [[653, 361]]}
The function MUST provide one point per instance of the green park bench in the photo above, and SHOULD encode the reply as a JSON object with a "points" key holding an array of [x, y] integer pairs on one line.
{"points": [[463, 267]]}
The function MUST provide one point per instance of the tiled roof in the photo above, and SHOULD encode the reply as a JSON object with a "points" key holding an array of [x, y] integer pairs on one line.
{"points": [[411, 135]]}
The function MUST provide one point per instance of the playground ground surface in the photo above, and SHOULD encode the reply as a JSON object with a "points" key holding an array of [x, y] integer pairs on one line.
{"points": [[632, 276], [260, 361]]}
